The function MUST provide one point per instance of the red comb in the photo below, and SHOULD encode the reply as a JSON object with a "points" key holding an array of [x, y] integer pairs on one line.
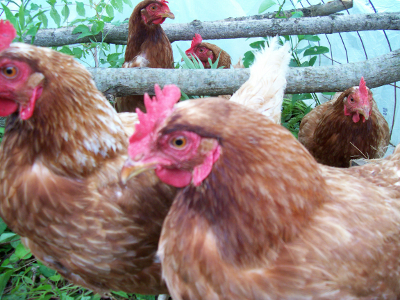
{"points": [[363, 88], [157, 108], [197, 39], [7, 34], [163, 1]]}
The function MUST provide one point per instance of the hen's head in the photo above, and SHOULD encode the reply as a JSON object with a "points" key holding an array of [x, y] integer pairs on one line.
{"points": [[20, 86], [358, 102], [155, 12], [199, 50], [179, 155]]}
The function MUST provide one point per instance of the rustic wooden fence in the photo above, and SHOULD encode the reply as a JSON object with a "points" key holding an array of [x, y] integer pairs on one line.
{"points": [[378, 71]]}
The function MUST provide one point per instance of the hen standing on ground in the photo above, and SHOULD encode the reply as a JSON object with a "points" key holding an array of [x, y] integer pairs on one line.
{"points": [[148, 45], [256, 216], [347, 127], [205, 51], [60, 159]]}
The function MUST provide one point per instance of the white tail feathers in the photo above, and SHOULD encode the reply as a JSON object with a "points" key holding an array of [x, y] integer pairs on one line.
{"points": [[264, 90]]}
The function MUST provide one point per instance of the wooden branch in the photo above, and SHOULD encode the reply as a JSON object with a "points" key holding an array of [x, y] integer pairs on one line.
{"points": [[320, 10], [376, 71], [234, 29]]}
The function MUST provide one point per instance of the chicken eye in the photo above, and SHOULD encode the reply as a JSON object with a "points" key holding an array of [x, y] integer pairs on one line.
{"points": [[351, 99], [153, 7], [179, 142], [9, 72], [201, 50]]}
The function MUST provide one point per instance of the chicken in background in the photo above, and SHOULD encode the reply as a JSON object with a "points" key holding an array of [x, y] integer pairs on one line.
{"points": [[148, 45], [256, 217], [205, 51], [347, 127], [60, 161]]}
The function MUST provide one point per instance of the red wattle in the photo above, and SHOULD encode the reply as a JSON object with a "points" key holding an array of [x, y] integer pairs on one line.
{"points": [[174, 177], [7, 107]]}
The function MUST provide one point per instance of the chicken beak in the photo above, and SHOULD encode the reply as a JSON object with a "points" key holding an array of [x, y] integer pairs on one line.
{"points": [[365, 111], [168, 14], [132, 169]]}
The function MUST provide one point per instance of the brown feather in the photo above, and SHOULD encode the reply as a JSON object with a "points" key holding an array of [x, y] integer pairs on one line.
{"points": [[60, 186], [269, 222], [148, 46], [334, 139]]}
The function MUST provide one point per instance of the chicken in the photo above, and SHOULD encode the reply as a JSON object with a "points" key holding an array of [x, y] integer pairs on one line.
{"points": [[349, 126], [205, 51], [256, 217], [60, 163], [148, 45]]}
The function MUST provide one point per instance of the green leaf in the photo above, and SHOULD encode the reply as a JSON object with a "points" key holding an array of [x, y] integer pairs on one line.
{"points": [[297, 14], [80, 8], [7, 236], [312, 61], [47, 272], [122, 294], [51, 2], [129, 2], [34, 6], [118, 5], [81, 29], [248, 59], [316, 50], [66, 50], [257, 45], [21, 16], [97, 27], [328, 93], [265, 5], [312, 38], [22, 253], [42, 18], [77, 52], [3, 225], [110, 11], [10, 16], [65, 12], [56, 277], [55, 16], [4, 279]]}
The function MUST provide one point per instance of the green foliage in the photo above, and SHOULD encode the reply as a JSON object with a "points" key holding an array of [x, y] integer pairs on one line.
{"points": [[293, 111], [193, 64], [29, 17]]}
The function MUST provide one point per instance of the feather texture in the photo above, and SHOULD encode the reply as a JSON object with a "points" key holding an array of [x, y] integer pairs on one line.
{"points": [[60, 182]]}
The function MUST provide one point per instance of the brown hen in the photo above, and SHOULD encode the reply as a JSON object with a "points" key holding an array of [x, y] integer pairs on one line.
{"points": [[347, 127], [60, 159], [205, 51], [148, 45], [256, 216]]}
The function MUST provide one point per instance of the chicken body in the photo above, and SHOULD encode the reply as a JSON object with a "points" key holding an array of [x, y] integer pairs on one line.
{"points": [[258, 218], [334, 135], [148, 45], [205, 51], [60, 161]]}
